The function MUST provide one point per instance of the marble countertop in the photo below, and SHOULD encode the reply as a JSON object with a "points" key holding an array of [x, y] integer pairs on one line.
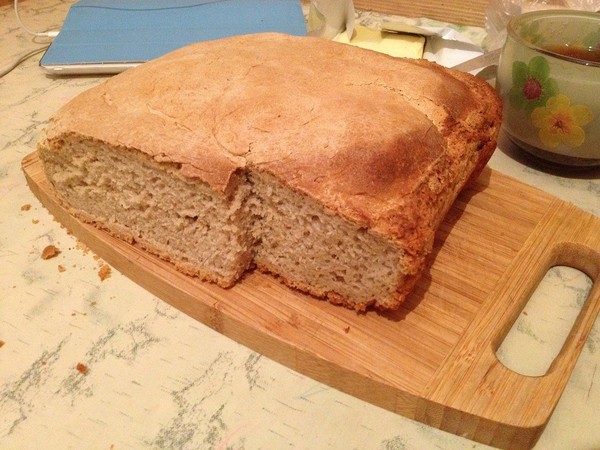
{"points": [[89, 359]]}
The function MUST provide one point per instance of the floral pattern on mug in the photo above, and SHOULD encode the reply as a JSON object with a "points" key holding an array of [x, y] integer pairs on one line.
{"points": [[560, 122], [532, 85], [530, 33]]}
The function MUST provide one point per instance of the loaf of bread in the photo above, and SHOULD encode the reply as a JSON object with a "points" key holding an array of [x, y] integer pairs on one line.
{"points": [[326, 165]]}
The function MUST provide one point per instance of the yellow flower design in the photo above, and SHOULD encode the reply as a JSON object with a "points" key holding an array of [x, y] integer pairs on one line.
{"points": [[559, 122]]}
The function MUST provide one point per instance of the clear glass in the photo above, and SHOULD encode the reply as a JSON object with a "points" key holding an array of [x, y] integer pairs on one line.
{"points": [[549, 80]]}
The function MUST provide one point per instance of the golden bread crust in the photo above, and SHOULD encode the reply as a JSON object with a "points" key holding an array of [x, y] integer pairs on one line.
{"points": [[350, 127], [386, 143]]}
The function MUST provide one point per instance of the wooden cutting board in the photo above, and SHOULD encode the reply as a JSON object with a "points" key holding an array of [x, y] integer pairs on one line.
{"points": [[434, 359], [450, 11]]}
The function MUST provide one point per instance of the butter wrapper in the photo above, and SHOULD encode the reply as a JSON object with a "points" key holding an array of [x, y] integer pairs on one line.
{"points": [[329, 18]]}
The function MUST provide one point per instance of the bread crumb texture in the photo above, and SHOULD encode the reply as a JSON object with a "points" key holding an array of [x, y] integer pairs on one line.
{"points": [[257, 151], [104, 272], [50, 251]]}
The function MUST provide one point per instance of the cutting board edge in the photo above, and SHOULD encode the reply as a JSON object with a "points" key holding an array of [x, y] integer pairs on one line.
{"points": [[473, 383]]}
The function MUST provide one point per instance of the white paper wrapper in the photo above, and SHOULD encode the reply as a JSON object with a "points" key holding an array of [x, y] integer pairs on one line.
{"points": [[499, 13], [328, 18]]}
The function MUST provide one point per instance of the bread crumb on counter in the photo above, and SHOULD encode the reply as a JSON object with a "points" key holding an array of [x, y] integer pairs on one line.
{"points": [[104, 272], [1, 343], [50, 252], [61, 268], [82, 368], [26, 207]]}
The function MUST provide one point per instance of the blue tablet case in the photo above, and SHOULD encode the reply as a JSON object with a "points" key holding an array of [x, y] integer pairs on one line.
{"points": [[101, 32]]}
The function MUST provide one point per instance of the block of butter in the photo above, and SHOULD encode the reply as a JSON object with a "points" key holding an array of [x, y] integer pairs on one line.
{"points": [[392, 43]]}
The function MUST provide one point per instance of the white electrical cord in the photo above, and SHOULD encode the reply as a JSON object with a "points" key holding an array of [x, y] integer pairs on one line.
{"points": [[10, 66], [50, 34], [4, 69]]}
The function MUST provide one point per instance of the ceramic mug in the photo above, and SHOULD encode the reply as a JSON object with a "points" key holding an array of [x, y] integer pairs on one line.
{"points": [[549, 81]]}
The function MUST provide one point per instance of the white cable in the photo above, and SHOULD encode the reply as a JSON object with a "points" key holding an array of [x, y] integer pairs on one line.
{"points": [[13, 64], [42, 34]]}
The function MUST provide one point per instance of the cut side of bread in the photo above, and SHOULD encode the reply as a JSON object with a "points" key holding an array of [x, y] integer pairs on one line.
{"points": [[328, 166]]}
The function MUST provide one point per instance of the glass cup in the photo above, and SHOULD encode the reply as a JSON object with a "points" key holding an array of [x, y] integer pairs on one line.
{"points": [[549, 81]]}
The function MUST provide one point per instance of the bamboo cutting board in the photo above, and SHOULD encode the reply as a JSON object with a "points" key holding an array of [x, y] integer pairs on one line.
{"points": [[452, 11], [434, 359]]}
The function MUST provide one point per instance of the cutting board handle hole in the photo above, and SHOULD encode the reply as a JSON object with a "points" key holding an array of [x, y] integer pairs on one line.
{"points": [[543, 328]]}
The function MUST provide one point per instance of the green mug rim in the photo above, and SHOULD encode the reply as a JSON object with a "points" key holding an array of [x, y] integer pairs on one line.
{"points": [[551, 14]]}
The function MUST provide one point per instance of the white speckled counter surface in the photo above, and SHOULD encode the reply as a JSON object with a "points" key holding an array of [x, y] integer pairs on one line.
{"points": [[91, 361]]}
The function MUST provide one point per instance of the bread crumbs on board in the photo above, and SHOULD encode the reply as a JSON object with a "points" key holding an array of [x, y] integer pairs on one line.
{"points": [[81, 246], [82, 368], [26, 207], [50, 252]]}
